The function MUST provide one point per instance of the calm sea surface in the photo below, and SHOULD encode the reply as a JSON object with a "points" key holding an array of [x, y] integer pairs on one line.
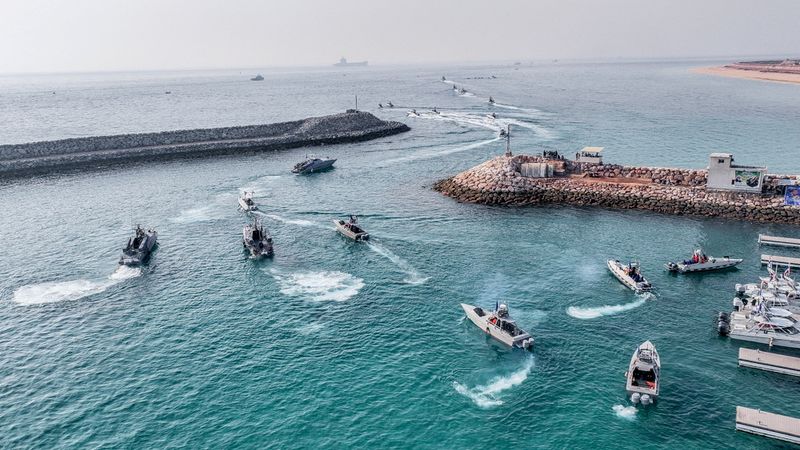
{"points": [[340, 345]]}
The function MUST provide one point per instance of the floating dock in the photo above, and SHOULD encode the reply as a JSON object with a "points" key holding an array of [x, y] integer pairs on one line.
{"points": [[772, 362], [764, 239], [780, 260], [767, 424]]}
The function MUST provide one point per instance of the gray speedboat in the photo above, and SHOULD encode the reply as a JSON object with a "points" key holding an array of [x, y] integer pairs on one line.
{"points": [[312, 165], [351, 229], [139, 247], [256, 240]]}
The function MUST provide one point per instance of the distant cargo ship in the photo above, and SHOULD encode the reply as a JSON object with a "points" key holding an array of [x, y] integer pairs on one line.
{"points": [[344, 63]]}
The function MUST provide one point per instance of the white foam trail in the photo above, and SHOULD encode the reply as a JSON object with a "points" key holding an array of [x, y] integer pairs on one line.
{"points": [[60, 291], [300, 222], [199, 214], [319, 286], [486, 121], [488, 396], [625, 412], [449, 151], [311, 328], [600, 311], [413, 276]]}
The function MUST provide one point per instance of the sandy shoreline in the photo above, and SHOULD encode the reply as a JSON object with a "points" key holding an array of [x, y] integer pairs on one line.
{"points": [[749, 74]]}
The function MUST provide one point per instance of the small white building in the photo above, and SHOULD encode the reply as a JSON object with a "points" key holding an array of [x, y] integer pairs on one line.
{"points": [[723, 175], [591, 155]]}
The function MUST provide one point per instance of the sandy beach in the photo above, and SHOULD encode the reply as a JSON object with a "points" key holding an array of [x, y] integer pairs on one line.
{"points": [[749, 74]]}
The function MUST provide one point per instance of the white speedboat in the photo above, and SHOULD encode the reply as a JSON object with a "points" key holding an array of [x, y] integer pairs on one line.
{"points": [[351, 229], [246, 202], [702, 263], [499, 325], [629, 275], [643, 378]]}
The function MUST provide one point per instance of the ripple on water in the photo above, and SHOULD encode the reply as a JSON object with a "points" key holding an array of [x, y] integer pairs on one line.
{"points": [[625, 412], [319, 286], [606, 310]]}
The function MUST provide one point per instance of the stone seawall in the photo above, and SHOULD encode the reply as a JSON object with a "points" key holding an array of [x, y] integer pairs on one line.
{"points": [[333, 129], [498, 182]]}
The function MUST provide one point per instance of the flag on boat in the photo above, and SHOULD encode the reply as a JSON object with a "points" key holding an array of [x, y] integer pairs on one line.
{"points": [[788, 272]]}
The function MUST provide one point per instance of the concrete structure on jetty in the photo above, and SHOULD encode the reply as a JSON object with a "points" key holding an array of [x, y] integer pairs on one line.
{"points": [[500, 181], [352, 126]]}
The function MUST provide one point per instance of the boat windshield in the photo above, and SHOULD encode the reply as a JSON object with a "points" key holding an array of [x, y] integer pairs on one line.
{"points": [[646, 355], [510, 327]]}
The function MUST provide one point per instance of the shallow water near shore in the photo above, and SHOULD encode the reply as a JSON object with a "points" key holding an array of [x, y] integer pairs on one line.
{"points": [[337, 344]]}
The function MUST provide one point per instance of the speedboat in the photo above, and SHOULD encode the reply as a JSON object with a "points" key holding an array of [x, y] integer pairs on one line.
{"points": [[491, 100], [643, 378], [256, 240], [413, 113], [257, 78], [350, 229], [499, 325], [702, 263], [312, 165], [462, 91], [246, 202], [390, 104], [139, 247], [629, 275]]}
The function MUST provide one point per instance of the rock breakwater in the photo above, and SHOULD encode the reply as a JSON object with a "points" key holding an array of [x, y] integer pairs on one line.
{"points": [[499, 182], [352, 126]]}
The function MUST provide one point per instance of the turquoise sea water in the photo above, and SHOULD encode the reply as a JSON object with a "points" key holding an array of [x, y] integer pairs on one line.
{"points": [[340, 345]]}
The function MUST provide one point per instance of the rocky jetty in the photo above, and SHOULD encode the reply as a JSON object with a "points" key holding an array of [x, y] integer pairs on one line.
{"points": [[352, 126], [671, 191]]}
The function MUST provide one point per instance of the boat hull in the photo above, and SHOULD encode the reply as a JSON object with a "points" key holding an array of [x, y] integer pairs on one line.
{"points": [[318, 166], [245, 207], [618, 271], [346, 232], [712, 264], [483, 323]]}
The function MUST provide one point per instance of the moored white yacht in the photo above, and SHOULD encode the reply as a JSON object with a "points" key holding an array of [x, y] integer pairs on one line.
{"points": [[764, 325], [629, 275], [643, 378], [499, 325]]}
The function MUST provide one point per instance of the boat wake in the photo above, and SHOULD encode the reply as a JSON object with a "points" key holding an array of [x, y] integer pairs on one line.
{"points": [[605, 310], [488, 396], [486, 121], [299, 222], [625, 412], [412, 275], [319, 286], [449, 151], [60, 291]]}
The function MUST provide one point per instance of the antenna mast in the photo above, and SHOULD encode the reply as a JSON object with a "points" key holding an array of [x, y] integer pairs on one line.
{"points": [[508, 141]]}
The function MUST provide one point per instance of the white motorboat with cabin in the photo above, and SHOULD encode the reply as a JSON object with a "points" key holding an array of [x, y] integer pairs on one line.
{"points": [[246, 202], [629, 275], [702, 263], [257, 240], [765, 325], [499, 325], [351, 229], [643, 378]]}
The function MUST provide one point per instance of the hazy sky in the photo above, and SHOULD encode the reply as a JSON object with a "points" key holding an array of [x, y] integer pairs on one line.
{"points": [[90, 35]]}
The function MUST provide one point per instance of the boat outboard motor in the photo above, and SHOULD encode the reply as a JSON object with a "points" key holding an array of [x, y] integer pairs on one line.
{"points": [[646, 399], [740, 289], [635, 397], [723, 323], [738, 304]]}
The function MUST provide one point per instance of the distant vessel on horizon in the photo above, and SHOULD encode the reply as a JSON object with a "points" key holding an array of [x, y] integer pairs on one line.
{"points": [[258, 77], [344, 63]]}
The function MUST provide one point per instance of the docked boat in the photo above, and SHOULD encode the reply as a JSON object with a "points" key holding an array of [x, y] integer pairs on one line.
{"points": [[246, 202], [256, 240], [351, 229], [643, 378], [499, 325], [312, 165], [765, 325], [139, 247], [702, 263], [629, 275], [257, 78]]}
